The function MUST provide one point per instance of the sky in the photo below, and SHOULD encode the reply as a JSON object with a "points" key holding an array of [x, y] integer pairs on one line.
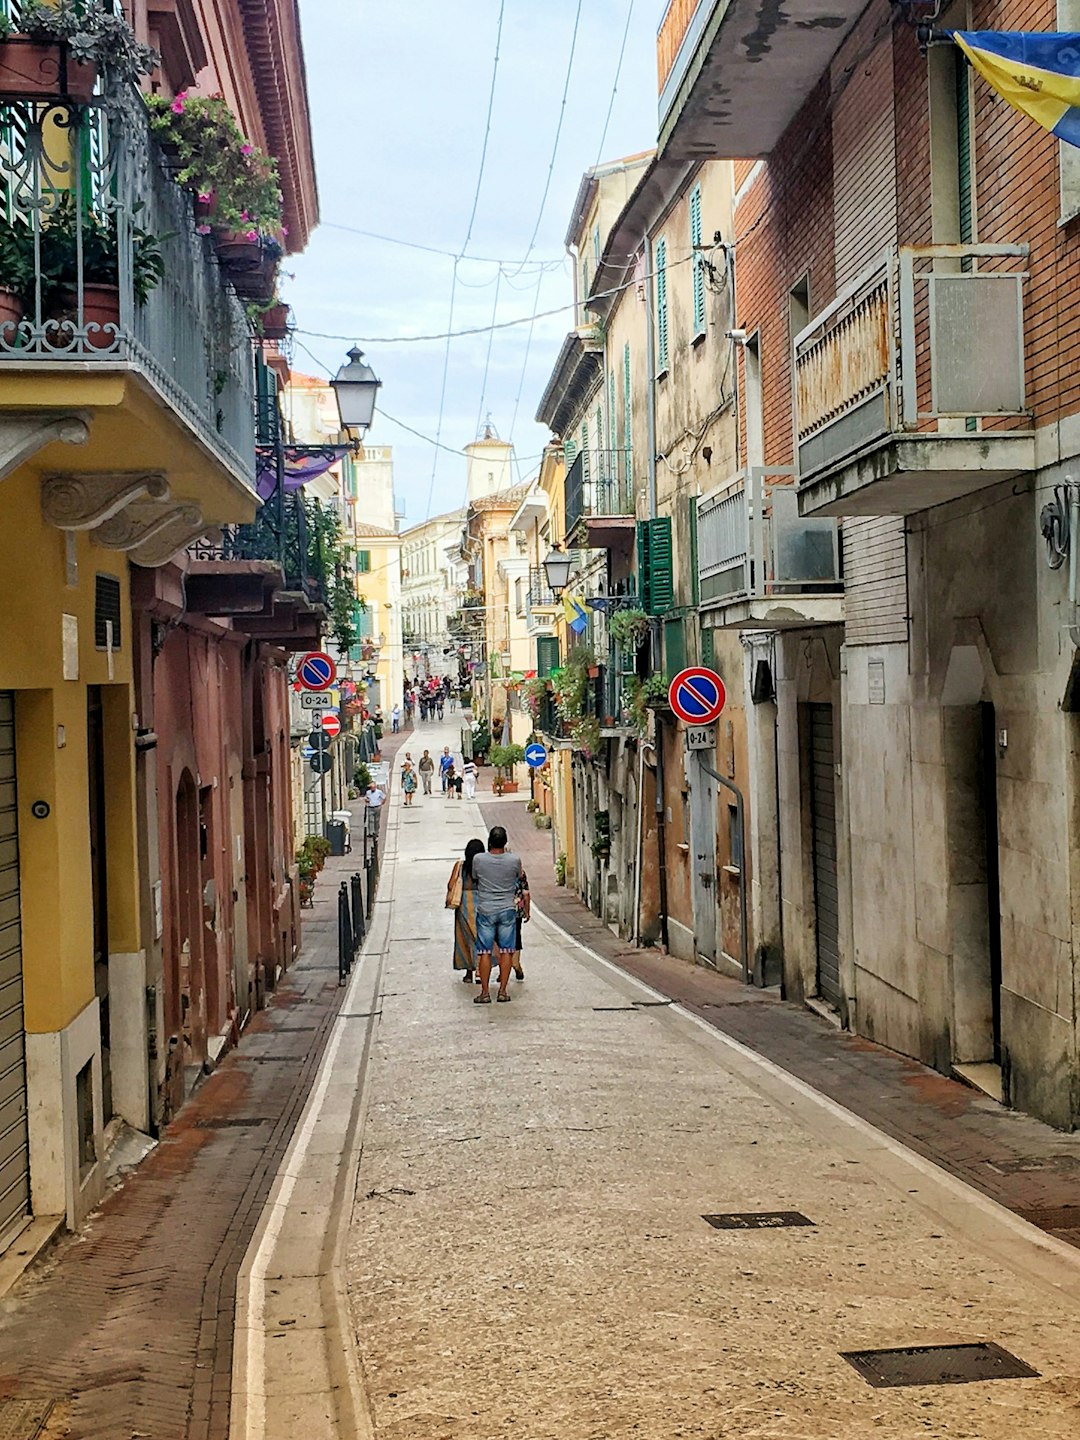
{"points": [[400, 91]]}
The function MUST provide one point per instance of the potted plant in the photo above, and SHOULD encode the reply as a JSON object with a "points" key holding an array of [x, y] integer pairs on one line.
{"points": [[504, 758], [271, 320], [560, 868], [66, 233], [629, 628], [481, 740], [601, 844], [61, 47], [17, 270]]}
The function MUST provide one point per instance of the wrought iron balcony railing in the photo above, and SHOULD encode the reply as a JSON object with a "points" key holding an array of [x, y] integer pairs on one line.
{"points": [[599, 483], [102, 265]]}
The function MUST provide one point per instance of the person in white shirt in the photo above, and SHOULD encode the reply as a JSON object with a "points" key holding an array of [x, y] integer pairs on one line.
{"points": [[375, 797], [468, 778]]}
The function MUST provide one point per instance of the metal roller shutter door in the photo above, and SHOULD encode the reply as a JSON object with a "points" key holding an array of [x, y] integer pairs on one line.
{"points": [[823, 819], [14, 1141]]}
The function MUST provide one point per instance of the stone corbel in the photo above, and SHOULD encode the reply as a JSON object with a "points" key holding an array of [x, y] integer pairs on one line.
{"points": [[85, 501], [23, 435], [135, 525], [184, 525]]}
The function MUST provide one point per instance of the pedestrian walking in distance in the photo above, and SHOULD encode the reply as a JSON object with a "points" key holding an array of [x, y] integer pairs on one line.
{"points": [[427, 770], [461, 898], [375, 797], [449, 783], [500, 880], [468, 779], [395, 719], [408, 785], [446, 762]]}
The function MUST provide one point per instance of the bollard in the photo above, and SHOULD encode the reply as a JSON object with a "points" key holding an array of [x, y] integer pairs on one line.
{"points": [[369, 871], [358, 927], [345, 943]]}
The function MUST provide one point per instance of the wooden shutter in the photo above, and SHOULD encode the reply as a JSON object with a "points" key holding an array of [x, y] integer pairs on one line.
{"points": [[660, 266], [569, 452], [964, 172], [628, 428], [674, 648], [547, 655], [585, 451], [655, 565], [695, 261]]}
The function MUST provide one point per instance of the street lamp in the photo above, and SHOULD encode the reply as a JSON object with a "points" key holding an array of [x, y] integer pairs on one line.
{"points": [[557, 570], [356, 386]]}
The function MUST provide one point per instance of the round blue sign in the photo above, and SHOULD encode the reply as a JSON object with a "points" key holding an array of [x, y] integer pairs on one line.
{"points": [[316, 671], [697, 695], [535, 756]]}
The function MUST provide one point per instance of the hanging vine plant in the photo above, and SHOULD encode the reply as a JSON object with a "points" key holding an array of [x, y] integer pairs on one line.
{"points": [[571, 683], [629, 628]]}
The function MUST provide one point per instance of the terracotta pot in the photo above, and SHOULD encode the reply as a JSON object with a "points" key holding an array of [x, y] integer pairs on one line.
{"points": [[11, 312], [101, 306], [275, 322], [30, 67], [593, 671], [236, 252], [510, 787]]}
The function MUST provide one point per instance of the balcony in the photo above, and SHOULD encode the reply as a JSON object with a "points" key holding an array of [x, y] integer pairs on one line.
{"points": [[550, 723], [121, 316], [760, 564], [599, 500], [733, 74], [910, 386], [541, 604]]}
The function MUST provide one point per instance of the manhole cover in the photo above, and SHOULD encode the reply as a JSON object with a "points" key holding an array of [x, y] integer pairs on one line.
{"points": [[758, 1220], [23, 1419], [937, 1365]]}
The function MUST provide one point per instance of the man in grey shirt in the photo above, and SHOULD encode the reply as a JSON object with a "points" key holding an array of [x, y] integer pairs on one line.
{"points": [[497, 876]]}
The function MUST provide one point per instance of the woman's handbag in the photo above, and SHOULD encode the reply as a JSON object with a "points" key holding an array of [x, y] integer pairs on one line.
{"points": [[454, 888]]}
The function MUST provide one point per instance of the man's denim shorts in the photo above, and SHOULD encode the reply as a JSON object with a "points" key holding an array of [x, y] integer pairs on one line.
{"points": [[500, 929]]}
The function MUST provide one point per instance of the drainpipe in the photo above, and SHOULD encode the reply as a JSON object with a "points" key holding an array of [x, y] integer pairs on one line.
{"points": [[1074, 565]]}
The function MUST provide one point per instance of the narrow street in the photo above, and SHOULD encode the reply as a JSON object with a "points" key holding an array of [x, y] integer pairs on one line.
{"points": [[522, 1250]]}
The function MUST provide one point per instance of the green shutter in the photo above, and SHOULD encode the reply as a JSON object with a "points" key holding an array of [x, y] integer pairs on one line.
{"points": [[965, 178], [363, 562], [695, 261], [708, 647], [596, 246], [674, 648], [694, 580], [547, 655], [655, 565], [585, 451], [660, 267], [569, 451]]}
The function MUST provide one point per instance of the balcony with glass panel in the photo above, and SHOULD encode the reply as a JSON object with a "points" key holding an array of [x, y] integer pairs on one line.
{"points": [[115, 318], [761, 565], [909, 387]]}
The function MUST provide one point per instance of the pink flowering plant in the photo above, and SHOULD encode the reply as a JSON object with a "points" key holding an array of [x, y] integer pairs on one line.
{"points": [[235, 183]]}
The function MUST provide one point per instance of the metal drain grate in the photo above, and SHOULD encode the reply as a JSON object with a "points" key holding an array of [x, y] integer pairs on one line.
{"points": [[23, 1419], [937, 1365], [229, 1122], [757, 1220]]}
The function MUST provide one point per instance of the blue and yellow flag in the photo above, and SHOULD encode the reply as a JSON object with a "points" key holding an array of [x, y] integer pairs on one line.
{"points": [[1038, 74], [574, 613]]}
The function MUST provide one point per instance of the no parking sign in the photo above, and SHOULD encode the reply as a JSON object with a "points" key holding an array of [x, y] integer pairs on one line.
{"points": [[697, 696]]}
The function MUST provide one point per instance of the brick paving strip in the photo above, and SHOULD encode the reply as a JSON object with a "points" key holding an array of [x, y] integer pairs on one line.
{"points": [[126, 1329], [1024, 1165]]}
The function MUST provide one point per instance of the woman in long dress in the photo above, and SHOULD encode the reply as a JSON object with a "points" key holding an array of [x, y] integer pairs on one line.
{"points": [[465, 916]]}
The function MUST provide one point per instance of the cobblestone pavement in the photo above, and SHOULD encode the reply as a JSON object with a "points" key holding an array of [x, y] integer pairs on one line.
{"points": [[127, 1328], [1022, 1164]]}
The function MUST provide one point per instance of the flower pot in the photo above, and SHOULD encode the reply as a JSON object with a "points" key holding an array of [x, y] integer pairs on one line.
{"points": [[510, 787], [237, 251], [32, 67], [274, 322], [11, 312], [593, 671], [101, 307]]}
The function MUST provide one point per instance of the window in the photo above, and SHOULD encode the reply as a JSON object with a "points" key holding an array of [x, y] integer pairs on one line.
{"points": [[107, 612], [695, 261], [660, 269], [547, 655], [363, 562], [735, 838]]}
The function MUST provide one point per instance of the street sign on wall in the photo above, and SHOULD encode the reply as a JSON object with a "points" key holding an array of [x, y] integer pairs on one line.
{"points": [[316, 700], [701, 737], [697, 696], [316, 671], [535, 756]]}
